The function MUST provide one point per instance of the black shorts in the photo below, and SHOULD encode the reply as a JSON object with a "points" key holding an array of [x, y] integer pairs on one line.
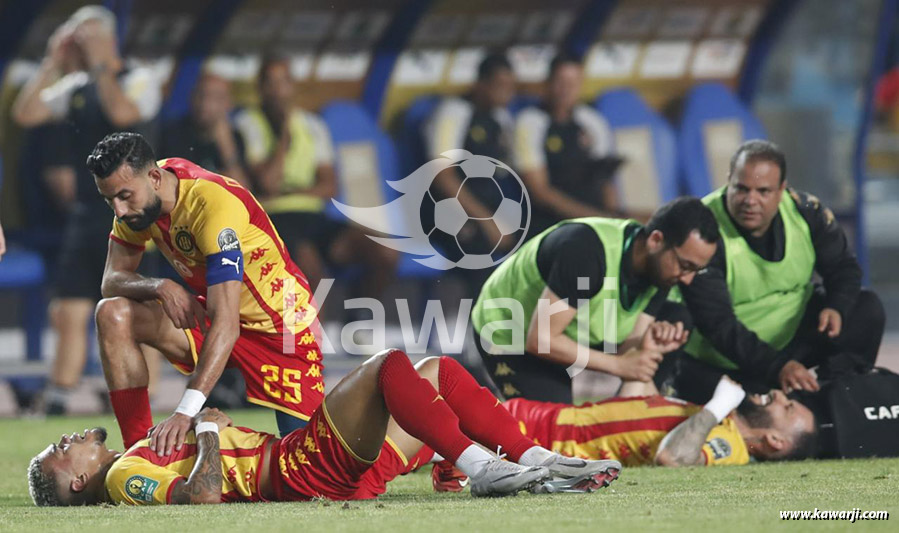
{"points": [[303, 226], [82, 258], [527, 376]]}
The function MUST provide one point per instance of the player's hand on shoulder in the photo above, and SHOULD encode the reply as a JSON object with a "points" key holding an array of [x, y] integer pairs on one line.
{"points": [[211, 414], [169, 434], [181, 306]]}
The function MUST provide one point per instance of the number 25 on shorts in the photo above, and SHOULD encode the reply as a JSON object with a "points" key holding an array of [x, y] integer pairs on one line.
{"points": [[289, 380]]}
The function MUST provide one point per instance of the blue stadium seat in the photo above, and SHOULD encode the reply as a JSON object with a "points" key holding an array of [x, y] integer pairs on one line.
{"points": [[714, 123], [366, 160], [649, 146], [410, 141], [23, 271]]}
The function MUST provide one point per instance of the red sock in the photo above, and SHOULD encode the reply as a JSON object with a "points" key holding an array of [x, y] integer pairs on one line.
{"points": [[481, 416], [132, 410], [419, 409]]}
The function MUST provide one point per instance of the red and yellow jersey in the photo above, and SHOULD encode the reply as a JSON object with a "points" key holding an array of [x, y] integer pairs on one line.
{"points": [[141, 477], [628, 430], [218, 232]]}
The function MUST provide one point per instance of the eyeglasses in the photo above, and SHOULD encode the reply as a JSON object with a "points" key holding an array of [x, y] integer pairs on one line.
{"points": [[685, 265]]}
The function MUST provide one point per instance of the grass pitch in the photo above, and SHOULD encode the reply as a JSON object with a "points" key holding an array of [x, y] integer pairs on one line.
{"points": [[723, 499]]}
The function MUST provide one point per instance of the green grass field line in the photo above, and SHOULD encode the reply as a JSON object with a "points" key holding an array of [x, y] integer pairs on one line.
{"points": [[723, 500]]}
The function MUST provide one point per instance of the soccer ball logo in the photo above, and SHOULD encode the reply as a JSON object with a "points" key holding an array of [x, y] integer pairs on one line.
{"points": [[465, 239], [438, 226]]}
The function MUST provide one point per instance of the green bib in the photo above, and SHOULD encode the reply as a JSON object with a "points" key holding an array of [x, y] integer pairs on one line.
{"points": [[769, 297], [299, 165], [518, 280]]}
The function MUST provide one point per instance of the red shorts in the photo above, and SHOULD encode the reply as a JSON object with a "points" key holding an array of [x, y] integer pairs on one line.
{"points": [[315, 462], [291, 383], [390, 464]]}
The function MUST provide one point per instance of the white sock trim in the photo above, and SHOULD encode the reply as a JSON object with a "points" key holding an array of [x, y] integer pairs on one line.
{"points": [[534, 456], [473, 459]]}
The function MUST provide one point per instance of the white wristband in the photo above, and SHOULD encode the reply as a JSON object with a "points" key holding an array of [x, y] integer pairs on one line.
{"points": [[727, 397], [203, 427], [191, 403]]}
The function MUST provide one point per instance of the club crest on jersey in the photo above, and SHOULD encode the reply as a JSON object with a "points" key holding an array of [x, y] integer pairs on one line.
{"points": [[141, 488], [720, 448], [185, 241], [227, 240]]}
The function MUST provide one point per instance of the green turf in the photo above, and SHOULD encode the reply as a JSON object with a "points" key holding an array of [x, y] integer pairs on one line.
{"points": [[724, 500]]}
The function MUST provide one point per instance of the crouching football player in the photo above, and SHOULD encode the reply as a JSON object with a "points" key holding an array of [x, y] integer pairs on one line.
{"points": [[329, 457]]}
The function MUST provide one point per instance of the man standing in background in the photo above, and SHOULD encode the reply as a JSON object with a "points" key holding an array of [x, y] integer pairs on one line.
{"points": [[99, 97], [291, 160]]}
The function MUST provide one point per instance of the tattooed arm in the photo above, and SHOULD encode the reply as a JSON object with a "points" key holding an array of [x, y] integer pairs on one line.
{"points": [[683, 446], [205, 482]]}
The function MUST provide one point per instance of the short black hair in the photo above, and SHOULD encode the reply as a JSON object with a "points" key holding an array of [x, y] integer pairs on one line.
{"points": [[563, 58], [118, 148], [491, 64], [682, 216], [805, 447], [269, 59], [760, 149]]}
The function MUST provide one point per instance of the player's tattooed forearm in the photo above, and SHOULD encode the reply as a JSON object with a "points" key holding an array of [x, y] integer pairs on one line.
{"points": [[683, 446], [205, 482]]}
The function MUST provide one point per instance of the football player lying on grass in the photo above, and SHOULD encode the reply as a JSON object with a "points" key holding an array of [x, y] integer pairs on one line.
{"points": [[370, 428], [640, 427]]}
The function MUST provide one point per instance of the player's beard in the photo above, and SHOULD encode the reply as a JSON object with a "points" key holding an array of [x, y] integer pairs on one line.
{"points": [[147, 216], [755, 415], [654, 266]]}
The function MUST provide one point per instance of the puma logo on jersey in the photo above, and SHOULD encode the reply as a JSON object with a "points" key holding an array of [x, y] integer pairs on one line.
{"points": [[235, 264]]}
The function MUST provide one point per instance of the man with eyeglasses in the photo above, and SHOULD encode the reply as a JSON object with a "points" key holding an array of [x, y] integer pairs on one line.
{"points": [[757, 314], [614, 274]]}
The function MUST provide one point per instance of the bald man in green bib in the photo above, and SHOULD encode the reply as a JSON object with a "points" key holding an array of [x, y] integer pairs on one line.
{"points": [[757, 314]]}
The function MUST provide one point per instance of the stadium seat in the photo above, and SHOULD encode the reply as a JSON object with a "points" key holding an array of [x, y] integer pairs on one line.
{"points": [[23, 271], [366, 160], [648, 144], [714, 123], [410, 141]]}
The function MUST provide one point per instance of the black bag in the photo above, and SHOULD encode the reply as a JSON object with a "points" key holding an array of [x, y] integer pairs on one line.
{"points": [[859, 415]]}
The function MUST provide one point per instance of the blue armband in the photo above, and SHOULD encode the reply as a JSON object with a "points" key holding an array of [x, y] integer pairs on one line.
{"points": [[224, 266]]}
